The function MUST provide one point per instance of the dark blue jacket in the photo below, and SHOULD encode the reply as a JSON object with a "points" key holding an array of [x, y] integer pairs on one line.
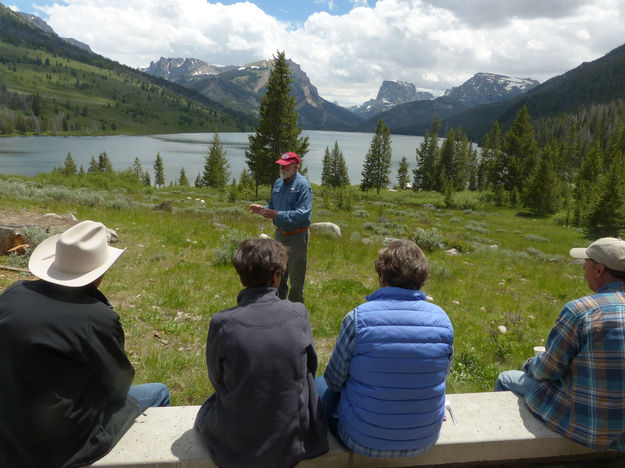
{"points": [[261, 360]]}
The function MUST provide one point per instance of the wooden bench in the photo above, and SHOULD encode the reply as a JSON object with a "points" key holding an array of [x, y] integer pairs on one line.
{"points": [[493, 428]]}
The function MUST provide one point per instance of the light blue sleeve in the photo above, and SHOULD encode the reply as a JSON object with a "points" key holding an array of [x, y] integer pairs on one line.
{"points": [[301, 214], [337, 370]]}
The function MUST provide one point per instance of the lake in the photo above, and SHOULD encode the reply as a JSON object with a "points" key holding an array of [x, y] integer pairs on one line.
{"points": [[28, 155]]}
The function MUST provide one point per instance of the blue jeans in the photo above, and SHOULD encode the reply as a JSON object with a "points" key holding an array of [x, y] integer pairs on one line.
{"points": [[149, 395], [330, 402], [515, 381]]}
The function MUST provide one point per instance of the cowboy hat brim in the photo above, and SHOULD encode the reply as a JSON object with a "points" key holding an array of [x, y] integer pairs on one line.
{"points": [[41, 264]]}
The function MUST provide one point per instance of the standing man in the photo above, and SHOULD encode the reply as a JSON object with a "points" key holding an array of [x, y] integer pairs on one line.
{"points": [[290, 208], [66, 396], [577, 386]]}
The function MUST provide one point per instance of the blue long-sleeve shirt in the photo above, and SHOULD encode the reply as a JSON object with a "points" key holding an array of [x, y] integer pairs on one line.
{"points": [[293, 202]]}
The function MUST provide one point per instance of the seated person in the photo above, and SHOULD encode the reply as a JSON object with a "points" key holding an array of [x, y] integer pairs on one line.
{"points": [[65, 397], [261, 360], [577, 386], [383, 390]]}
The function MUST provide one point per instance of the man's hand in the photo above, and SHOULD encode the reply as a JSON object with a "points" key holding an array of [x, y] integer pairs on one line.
{"points": [[269, 213], [255, 208]]}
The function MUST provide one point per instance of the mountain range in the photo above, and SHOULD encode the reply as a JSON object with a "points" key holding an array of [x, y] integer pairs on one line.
{"points": [[233, 93], [242, 87]]}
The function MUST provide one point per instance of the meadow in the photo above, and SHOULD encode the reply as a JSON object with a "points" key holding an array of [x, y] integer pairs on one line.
{"points": [[510, 269]]}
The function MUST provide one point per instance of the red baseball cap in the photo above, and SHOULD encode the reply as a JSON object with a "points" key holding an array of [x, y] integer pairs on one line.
{"points": [[288, 158]]}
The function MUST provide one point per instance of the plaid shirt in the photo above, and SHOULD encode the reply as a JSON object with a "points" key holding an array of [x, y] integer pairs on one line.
{"points": [[582, 372], [336, 374]]}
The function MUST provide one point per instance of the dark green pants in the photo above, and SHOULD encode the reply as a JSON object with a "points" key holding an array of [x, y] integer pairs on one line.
{"points": [[297, 248]]}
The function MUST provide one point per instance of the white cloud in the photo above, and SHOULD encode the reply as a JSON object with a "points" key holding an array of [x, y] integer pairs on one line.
{"points": [[433, 44]]}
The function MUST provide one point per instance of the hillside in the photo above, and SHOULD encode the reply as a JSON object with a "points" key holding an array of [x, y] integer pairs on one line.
{"points": [[592, 83], [50, 85]]}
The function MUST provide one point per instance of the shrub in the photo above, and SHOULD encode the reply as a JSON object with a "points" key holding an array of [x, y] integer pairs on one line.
{"points": [[476, 227], [461, 245], [229, 245], [428, 239], [230, 210], [536, 238], [386, 228], [439, 271]]}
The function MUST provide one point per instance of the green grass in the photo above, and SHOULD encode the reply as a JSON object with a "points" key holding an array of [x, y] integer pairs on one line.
{"points": [[513, 270]]}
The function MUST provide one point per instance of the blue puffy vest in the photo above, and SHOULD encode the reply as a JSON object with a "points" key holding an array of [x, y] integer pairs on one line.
{"points": [[394, 398]]}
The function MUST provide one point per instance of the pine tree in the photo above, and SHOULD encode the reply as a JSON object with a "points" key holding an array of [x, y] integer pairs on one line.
{"points": [[492, 171], [472, 168], [334, 170], [159, 172], [145, 179], [377, 166], [93, 166], [245, 179], [70, 166], [542, 190], [428, 154], [606, 218], [198, 180], [136, 168], [446, 164], [326, 168], [277, 130], [339, 167], [585, 183], [520, 150], [216, 167], [182, 180], [402, 173], [461, 160], [104, 163]]}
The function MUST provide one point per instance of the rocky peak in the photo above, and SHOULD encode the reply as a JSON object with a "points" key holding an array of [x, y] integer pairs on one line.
{"points": [[174, 68], [484, 88], [390, 94]]}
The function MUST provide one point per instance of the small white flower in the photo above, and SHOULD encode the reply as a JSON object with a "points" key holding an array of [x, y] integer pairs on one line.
{"points": [[502, 329]]}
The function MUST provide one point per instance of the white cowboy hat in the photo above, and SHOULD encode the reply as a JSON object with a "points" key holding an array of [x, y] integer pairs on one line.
{"points": [[76, 257]]}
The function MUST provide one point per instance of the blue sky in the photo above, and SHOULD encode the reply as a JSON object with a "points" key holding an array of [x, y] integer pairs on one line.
{"points": [[285, 10], [348, 47]]}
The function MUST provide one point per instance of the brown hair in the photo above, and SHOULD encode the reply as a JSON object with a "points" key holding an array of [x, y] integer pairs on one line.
{"points": [[256, 261], [402, 264]]}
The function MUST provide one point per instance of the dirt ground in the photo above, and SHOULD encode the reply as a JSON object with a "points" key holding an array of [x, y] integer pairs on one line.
{"points": [[23, 217]]}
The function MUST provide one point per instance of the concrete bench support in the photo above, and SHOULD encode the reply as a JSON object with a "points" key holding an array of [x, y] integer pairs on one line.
{"points": [[491, 427]]}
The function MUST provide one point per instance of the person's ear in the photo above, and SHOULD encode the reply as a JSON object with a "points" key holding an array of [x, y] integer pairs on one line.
{"points": [[382, 281], [277, 277]]}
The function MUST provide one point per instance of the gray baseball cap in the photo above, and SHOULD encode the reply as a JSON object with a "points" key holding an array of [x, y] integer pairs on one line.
{"points": [[609, 251]]}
